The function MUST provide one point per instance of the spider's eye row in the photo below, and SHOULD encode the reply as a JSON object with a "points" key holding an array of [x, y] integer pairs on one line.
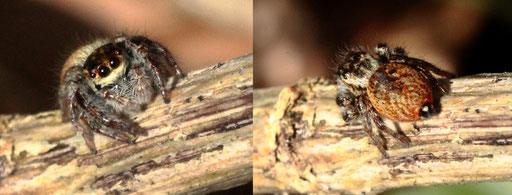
{"points": [[114, 62], [104, 71]]}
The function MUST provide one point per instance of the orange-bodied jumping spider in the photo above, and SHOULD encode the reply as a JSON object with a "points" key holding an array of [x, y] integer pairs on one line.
{"points": [[386, 84]]}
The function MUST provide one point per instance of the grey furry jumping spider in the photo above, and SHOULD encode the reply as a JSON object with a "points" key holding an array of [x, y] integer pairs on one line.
{"points": [[389, 84], [105, 83]]}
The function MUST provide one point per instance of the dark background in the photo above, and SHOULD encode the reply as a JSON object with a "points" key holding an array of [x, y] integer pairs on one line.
{"points": [[294, 39]]}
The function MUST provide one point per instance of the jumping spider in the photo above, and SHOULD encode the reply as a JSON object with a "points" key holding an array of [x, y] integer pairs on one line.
{"points": [[105, 83], [386, 84]]}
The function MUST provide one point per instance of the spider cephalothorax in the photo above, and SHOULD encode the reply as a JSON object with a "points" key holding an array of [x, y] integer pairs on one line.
{"points": [[105, 83], [356, 69], [387, 84]]}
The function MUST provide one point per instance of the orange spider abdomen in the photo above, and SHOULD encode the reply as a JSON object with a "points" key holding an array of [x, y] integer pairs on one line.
{"points": [[399, 92]]}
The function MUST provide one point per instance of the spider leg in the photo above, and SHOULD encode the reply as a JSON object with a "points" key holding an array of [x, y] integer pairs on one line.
{"points": [[159, 68], [80, 118], [375, 138], [160, 79], [170, 60], [346, 101], [426, 69], [383, 51], [101, 123], [75, 116], [99, 128], [435, 81], [70, 108], [88, 136], [378, 141], [119, 99], [382, 126], [399, 51], [422, 65], [108, 95], [176, 71]]}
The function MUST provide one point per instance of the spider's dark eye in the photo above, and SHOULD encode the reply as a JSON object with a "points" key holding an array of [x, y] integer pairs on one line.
{"points": [[356, 57], [92, 75], [339, 100], [104, 71], [114, 62]]}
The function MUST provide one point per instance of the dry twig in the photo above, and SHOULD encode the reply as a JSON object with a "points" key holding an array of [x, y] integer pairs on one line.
{"points": [[200, 142], [303, 145]]}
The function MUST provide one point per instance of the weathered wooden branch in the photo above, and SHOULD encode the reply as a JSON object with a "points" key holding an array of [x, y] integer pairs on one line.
{"points": [[302, 144], [200, 142]]}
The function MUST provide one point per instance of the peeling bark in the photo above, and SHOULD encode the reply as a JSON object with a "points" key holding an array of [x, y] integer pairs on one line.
{"points": [[201, 142], [303, 145]]}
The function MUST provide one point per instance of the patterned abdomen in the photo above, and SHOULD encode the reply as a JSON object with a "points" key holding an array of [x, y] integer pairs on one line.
{"points": [[399, 92]]}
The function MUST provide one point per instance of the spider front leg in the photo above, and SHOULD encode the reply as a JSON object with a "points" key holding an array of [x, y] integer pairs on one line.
{"points": [[161, 63], [348, 110], [347, 102], [70, 107], [86, 123], [102, 122], [76, 120], [123, 100], [88, 118]]}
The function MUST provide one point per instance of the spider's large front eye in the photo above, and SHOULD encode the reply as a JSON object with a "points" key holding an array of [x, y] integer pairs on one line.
{"points": [[356, 57], [104, 71], [114, 62]]}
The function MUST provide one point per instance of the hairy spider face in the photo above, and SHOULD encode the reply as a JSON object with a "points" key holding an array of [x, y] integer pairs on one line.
{"points": [[385, 84], [104, 66], [106, 82], [355, 68]]}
